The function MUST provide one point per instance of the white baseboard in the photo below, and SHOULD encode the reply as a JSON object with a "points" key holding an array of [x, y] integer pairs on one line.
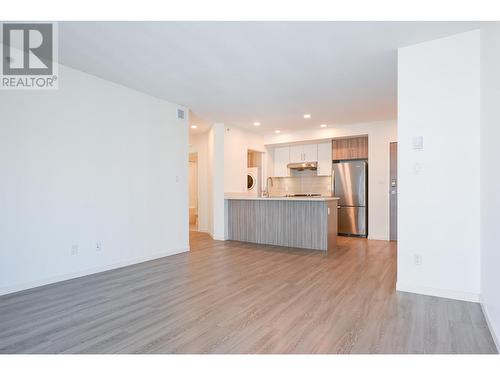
{"points": [[443, 293], [490, 326], [55, 279]]}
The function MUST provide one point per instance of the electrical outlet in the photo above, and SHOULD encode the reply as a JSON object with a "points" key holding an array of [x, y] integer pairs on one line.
{"points": [[74, 249], [98, 246], [417, 259]]}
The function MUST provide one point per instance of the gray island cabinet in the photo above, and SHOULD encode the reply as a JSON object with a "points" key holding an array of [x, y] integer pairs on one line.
{"points": [[308, 223]]}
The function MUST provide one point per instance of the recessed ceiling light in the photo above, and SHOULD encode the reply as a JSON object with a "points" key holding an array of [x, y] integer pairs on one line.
{"points": [[322, 126], [193, 126], [256, 124], [277, 131], [307, 115]]}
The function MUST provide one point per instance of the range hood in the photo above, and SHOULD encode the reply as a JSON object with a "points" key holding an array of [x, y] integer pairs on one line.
{"points": [[312, 165]]}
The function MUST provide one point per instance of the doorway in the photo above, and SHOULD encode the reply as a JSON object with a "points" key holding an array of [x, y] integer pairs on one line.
{"points": [[393, 191], [193, 191], [254, 172]]}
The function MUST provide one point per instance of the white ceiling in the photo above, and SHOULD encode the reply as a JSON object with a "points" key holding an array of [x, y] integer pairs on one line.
{"points": [[242, 72], [197, 124]]}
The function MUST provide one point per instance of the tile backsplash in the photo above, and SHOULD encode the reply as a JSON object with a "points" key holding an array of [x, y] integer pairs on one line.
{"points": [[301, 183]]}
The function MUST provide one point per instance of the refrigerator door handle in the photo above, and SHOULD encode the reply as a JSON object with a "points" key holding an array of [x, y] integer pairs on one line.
{"points": [[333, 182]]}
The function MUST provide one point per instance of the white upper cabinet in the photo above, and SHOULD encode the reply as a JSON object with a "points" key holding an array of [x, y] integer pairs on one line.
{"points": [[301, 153], [325, 159], [281, 160], [296, 154], [321, 153], [310, 152]]}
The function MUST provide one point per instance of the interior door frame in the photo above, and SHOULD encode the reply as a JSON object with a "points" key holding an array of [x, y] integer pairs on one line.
{"points": [[194, 154], [393, 190]]}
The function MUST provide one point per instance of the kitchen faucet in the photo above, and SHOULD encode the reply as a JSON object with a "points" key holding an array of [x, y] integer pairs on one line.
{"points": [[267, 192]]}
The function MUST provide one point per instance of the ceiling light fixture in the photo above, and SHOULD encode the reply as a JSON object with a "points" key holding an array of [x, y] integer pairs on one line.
{"points": [[277, 131], [307, 115], [256, 124], [322, 126], [193, 126]]}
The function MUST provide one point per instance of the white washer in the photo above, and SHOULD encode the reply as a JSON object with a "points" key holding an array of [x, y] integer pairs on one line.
{"points": [[253, 181]]}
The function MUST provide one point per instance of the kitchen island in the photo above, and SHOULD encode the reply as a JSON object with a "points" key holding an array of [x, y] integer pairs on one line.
{"points": [[305, 222]]}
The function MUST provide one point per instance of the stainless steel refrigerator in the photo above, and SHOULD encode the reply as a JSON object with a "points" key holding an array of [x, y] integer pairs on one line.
{"points": [[350, 184]]}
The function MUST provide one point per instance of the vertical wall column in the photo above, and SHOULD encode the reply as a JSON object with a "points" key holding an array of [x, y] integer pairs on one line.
{"points": [[490, 179], [438, 167], [216, 188]]}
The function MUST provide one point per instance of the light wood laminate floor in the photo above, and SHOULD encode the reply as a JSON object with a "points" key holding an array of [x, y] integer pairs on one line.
{"points": [[233, 297]]}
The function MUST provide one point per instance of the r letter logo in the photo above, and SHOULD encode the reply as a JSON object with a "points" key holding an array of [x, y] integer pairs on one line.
{"points": [[29, 56]]}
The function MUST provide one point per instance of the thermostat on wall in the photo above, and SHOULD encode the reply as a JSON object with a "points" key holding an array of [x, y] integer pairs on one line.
{"points": [[418, 143]]}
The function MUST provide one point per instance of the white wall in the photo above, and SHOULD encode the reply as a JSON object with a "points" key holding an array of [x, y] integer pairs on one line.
{"points": [[92, 161], [438, 98], [380, 134], [490, 178], [237, 142]]}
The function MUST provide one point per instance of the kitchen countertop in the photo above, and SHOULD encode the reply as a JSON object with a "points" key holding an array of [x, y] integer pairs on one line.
{"points": [[240, 196]]}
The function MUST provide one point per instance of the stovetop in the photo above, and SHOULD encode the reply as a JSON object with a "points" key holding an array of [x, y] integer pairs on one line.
{"points": [[304, 195]]}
